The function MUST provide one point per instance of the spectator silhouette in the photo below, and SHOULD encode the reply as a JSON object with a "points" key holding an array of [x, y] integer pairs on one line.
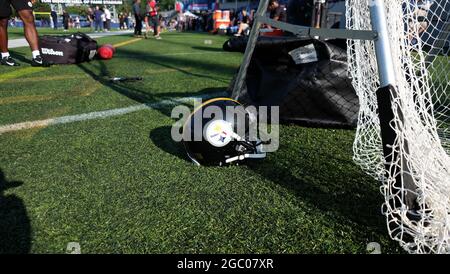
{"points": [[15, 230]]}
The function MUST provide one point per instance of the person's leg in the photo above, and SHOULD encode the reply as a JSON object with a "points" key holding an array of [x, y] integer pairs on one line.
{"points": [[238, 33], [3, 35], [154, 27], [147, 25], [30, 29], [139, 26], [25, 13], [246, 29], [5, 13], [158, 29]]}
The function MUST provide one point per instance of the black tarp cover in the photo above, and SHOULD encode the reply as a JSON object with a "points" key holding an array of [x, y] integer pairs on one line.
{"points": [[306, 78]]}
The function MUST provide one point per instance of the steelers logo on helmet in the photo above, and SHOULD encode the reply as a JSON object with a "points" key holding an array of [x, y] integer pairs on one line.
{"points": [[220, 139], [218, 133]]}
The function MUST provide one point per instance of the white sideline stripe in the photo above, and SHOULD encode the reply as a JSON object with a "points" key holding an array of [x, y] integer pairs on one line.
{"points": [[184, 53], [188, 53], [99, 114], [22, 42]]}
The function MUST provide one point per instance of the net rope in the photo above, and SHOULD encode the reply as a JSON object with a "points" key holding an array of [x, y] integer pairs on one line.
{"points": [[419, 39]]}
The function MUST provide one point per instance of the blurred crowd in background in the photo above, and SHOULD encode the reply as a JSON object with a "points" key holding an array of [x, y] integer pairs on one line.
{"points": [[204, 21], [101, 19]]}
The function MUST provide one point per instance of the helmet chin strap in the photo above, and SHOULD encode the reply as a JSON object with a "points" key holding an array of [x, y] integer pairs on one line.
{"points": [[193, 160]]}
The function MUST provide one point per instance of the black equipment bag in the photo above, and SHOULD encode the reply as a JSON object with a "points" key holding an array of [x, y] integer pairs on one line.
{"points": [[306, 78], [67, 49]]}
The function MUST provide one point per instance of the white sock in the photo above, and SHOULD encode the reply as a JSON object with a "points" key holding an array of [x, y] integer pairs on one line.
{"points": [[5, 55], [35, 53]]}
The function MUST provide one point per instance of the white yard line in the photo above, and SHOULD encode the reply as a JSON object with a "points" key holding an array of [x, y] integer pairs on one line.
{"points": [[22, 42], [188, 53], [101, 114]]}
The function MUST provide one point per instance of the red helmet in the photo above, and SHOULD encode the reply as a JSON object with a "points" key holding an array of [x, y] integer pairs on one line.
{"points": [[106, 52]]}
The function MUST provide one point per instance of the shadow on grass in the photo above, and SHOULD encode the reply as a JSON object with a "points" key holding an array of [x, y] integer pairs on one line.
{"points": [[342, 192], [322, 180], [208, 49], [161, 137], [333, 185], [21, 57], [177, 62], [15, 229], [101, 74], [98, 70], [184, 42]]}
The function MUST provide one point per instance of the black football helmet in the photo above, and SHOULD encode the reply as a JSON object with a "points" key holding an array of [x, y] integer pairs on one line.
{"points": [[210, 134]]}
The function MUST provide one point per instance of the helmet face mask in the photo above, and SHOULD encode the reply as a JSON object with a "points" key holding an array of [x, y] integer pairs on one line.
{"points": [[219, 133]]}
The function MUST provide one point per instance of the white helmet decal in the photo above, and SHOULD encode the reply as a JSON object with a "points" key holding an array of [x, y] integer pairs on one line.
{"points": [[219, 133]]}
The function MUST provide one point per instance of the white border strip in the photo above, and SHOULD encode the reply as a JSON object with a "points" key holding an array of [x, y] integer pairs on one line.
{"points": [[101, 114]]}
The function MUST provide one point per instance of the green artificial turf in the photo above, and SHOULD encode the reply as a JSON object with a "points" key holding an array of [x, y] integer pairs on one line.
{"points": [[121, 185]]}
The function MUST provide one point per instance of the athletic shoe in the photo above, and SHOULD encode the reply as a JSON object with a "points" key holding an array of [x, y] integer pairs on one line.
{"points": [[8, 61], [39, 62], [237, 34], [157, 37]]}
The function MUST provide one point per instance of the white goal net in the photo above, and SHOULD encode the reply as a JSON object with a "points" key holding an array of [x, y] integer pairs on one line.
{"points": [[418, 34]]}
